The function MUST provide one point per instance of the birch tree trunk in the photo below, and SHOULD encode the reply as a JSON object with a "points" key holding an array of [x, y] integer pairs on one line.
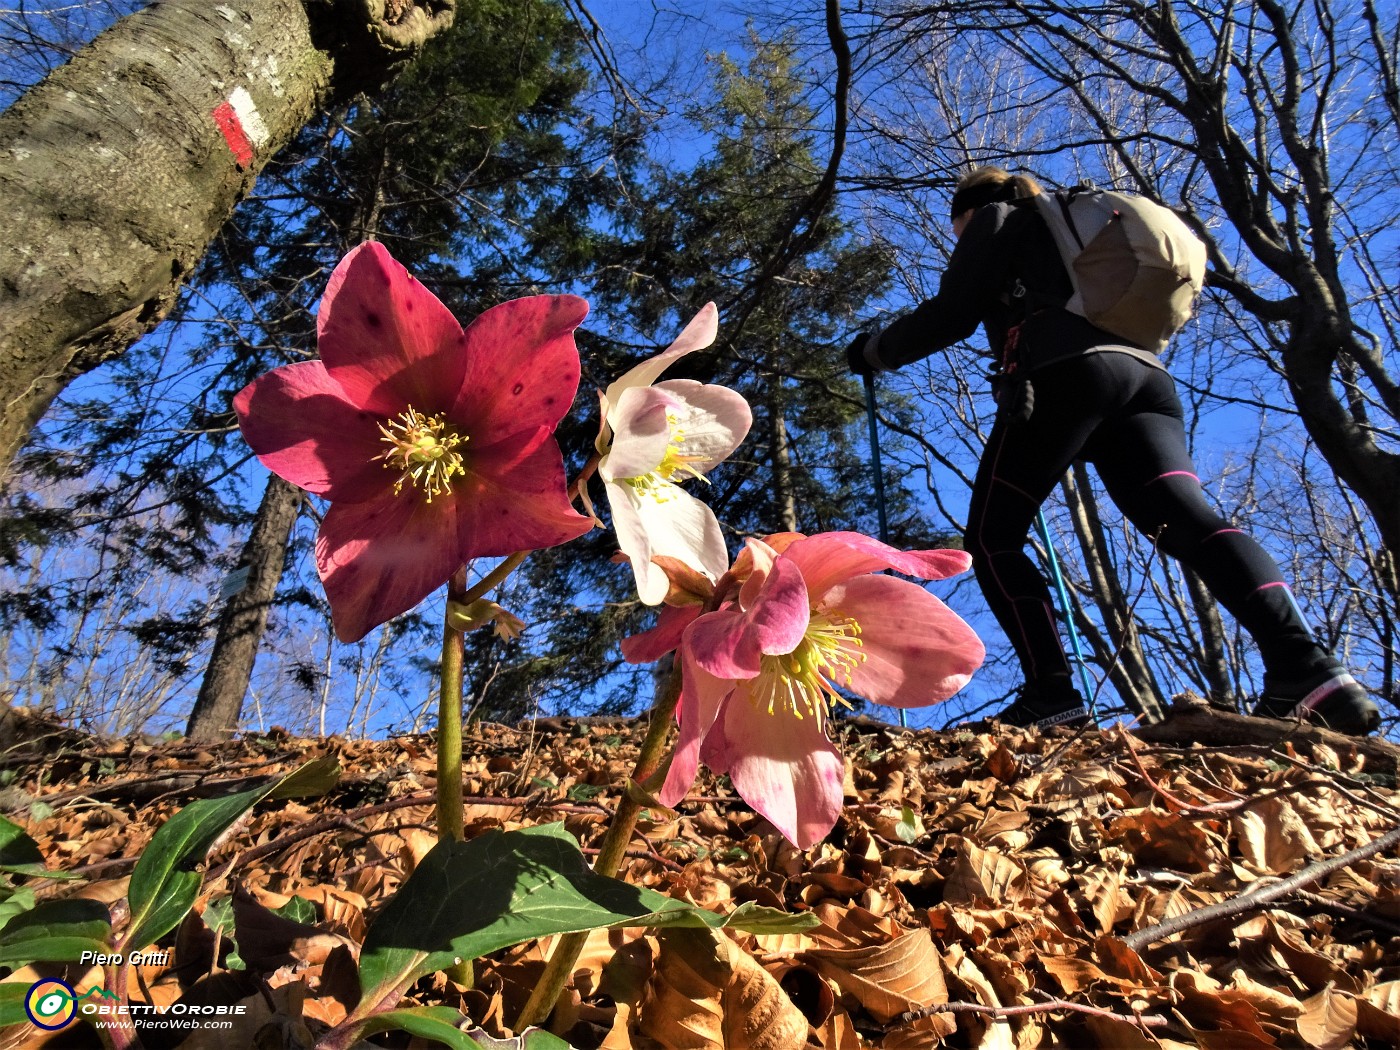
{"points": [[119, 167]]}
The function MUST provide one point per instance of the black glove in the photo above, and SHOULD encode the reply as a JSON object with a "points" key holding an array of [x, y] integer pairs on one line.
{"points": [[855, 355]]}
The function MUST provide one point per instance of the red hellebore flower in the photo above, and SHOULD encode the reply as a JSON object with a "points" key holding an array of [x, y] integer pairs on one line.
{"points": [[433, 445]]}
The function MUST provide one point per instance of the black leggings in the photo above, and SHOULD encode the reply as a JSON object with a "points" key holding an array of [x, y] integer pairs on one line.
{"points": [[1125, 417]]}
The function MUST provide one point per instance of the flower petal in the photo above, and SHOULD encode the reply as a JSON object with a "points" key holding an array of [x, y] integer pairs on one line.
{"points": [[917, 650], [702, 695], [787, 770], [513, 498], [828, 558], [522, 366], [304, 429], [697, 335], [668, 522], [732, 643], [386, 339], [381, 558], [641, 436], [712, 420], [653, 644]]}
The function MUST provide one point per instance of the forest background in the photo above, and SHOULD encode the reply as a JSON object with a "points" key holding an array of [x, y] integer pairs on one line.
{"points": [[655, 156]]}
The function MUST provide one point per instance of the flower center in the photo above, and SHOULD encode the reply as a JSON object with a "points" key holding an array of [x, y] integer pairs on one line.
{"points": [[658, 483], [422, 449], [800, 682]]}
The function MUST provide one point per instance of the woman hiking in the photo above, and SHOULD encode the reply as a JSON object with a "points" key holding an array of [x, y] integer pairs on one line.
{"points": [[1067, 390]]}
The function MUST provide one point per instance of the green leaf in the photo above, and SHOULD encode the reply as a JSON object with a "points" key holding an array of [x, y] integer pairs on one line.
{"points": [[164, 883], [908, 828], [467, 899], [530, 1039], [298, 909], [20, 854], [438, 1023], [12, 998], [310, 781], [218, 916], [16, 848], [16, 903], [56, 931]]}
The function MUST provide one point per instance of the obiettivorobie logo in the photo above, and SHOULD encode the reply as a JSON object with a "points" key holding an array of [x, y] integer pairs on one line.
{"points": [[52, 1004]]}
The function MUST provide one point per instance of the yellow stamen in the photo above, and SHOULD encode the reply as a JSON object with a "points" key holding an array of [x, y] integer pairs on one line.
{"points": [[800, 682], [422, 449], [658, 484]]}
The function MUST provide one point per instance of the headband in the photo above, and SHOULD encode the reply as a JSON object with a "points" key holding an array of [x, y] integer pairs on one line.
{"points": [[981, 194]]}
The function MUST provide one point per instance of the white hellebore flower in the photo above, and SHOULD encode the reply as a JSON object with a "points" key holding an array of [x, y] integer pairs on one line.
{"points": [[654, 435]]}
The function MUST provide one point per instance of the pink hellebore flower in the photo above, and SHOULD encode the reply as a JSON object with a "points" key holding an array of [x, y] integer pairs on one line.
{"points": [[651, 437], [433, 445], [760, 672]]}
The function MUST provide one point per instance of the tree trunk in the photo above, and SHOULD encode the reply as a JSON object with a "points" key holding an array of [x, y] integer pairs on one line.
{"points": [[220, 702], [1214, 665], [119, 167], [1127, 667], [780, 452]]}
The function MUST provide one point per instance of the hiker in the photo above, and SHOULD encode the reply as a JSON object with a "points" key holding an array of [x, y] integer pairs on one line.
{"points": [[1067, 390]]}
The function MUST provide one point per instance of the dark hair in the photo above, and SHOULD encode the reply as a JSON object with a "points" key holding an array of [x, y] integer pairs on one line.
{"points": [[987, 185]]}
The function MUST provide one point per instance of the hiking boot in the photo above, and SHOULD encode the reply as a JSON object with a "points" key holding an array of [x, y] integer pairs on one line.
{"points": [[1045, 704], [1330, 698]]}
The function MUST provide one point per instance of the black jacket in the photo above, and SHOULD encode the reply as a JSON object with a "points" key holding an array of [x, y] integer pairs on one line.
{"points": [[1004, 247]]}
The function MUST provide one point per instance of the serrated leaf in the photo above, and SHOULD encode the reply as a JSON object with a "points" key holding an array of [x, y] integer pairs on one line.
{"points": [[467, 899], [56, 931], [164, 883]]}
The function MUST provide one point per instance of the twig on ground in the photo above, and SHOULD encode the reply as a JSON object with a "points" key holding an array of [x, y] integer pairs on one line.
{"points": [[1247, 902]]}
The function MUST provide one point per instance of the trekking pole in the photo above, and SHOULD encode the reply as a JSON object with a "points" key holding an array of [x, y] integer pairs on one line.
{"points": [[884, 524], [1053, 561]]}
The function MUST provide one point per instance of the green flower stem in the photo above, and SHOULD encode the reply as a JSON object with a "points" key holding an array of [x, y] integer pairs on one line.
{"points": [[611, 851], [449, 764], [494, 578]]}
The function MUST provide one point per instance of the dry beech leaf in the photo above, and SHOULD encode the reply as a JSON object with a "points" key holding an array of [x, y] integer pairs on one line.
{"points": [[887, 979], [1328, 1020], [980, 874], [1272, 837], [705, 993]]}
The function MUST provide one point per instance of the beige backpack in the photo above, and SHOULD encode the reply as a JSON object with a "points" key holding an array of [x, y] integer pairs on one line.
{"points": [[1136, 267]]}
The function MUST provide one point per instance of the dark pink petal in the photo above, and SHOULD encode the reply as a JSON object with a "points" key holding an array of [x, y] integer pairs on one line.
{"points": [[702, 695], [731, 644], [381, 558], [828, 558], [303, 428], [917, 650], [725, 647], [653, 644], [513, 498], [386, 339], [522, 367], [782, 766]]}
